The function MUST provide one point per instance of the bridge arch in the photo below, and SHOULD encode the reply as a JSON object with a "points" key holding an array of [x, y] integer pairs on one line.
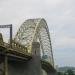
{"points": [[36, 30]]}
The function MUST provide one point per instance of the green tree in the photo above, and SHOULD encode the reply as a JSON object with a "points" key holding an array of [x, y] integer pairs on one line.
{"points": [[69, 72], [60, 73]]}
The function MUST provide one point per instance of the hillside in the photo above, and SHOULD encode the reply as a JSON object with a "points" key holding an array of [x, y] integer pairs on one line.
{"points": [[63, 69]]}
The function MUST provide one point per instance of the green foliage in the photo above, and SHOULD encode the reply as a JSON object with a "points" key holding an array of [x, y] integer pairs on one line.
{"points": [[69, 72], [60, 73]]}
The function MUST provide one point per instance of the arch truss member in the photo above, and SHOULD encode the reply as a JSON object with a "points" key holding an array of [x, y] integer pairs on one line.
{"points": [[36, 30]]}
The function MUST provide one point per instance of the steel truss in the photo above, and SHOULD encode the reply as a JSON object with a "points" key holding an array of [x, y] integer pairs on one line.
{"points": [[36, 30]]}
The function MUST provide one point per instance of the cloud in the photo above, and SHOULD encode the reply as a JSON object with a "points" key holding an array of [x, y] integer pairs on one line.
{"points": [[64, 42]]}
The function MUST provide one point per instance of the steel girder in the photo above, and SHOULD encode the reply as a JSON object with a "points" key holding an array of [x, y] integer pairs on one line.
{"points": [[36, 30]]}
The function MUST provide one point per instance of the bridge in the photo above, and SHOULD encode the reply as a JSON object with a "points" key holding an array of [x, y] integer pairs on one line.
{"points": [[30, 52]]}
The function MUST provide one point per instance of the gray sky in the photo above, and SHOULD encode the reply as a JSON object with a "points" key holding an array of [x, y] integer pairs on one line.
{"points": [[60, 17]]}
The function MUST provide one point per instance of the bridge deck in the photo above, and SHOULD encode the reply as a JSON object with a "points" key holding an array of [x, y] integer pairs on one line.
{"points": [[17, 56], [14, 53], [47, 66]]}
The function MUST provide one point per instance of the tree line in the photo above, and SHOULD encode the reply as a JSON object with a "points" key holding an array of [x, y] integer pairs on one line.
{"points": [[68, 72]]}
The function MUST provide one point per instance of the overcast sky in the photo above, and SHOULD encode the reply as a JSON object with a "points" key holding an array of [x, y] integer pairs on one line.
{"points": [[60, 17]]}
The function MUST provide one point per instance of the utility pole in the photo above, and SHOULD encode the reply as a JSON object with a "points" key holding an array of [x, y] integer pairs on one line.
{"points": [[5, 60]]}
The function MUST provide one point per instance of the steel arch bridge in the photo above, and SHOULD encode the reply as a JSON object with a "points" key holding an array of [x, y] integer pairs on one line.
{"points": [[34, 30]]}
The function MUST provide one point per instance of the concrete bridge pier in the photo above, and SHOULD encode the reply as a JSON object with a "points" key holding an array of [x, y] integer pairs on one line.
{"points": [[31, 67]]}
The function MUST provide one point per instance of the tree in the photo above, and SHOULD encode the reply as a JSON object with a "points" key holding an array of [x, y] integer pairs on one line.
{"points": [[60, 73], [69, 72]]}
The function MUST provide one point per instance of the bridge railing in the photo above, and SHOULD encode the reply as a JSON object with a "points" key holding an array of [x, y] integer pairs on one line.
{"points": [[14, 47], [19, 48]]}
